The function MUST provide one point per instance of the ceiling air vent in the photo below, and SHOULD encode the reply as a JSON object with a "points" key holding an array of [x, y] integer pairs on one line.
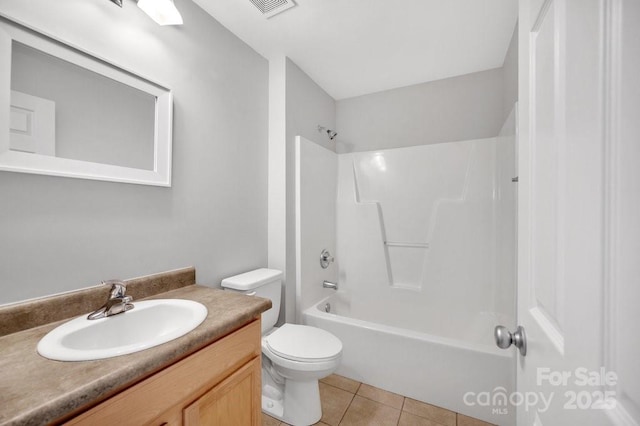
{"points": [[270, 8]]}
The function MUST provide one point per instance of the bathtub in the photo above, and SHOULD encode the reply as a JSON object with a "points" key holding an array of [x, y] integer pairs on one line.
{"points": [[430, 368]]}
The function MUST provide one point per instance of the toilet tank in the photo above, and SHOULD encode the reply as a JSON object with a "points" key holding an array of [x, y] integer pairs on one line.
{"points": [[261, 282]]}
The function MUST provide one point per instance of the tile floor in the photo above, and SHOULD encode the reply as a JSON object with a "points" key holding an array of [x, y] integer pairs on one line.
{"points": [[346, 402]]}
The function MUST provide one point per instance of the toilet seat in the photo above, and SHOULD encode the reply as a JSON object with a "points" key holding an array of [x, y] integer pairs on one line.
{"points": [[303, 343]]}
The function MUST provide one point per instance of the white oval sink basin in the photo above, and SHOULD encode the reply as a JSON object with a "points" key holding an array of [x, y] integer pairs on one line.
{"points": [[149, 323]]}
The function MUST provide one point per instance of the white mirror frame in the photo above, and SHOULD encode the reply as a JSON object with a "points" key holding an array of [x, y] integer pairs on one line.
{"points": [[22, 162]]}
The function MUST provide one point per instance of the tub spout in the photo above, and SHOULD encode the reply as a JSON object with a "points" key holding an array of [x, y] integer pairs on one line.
{"points": [[329, 284]]}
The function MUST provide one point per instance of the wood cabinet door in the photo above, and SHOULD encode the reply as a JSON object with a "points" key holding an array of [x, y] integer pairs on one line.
{"points": [[235, 401]]}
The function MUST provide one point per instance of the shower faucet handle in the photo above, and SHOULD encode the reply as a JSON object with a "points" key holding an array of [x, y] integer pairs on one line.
{"points": [[325, 259]]}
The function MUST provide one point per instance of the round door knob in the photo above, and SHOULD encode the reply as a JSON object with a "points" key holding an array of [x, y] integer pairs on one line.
{"points": [[504, 338]]}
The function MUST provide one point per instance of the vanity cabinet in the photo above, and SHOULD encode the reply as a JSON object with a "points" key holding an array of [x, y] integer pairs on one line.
{"points": [[218, 385], [229, 403]]}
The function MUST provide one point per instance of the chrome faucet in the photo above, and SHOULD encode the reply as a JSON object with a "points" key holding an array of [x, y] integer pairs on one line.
{"points": [[329, 284], [117, 302]]}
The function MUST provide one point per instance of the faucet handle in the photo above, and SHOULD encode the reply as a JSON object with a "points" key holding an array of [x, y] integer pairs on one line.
{"points": [[118, 288], [325, 259]]}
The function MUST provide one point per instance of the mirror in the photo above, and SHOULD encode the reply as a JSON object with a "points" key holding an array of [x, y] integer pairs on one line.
{"points": [[71, 114]]}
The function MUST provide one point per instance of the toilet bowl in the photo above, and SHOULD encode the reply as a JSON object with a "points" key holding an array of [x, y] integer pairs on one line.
{"points": [[294, 357]]}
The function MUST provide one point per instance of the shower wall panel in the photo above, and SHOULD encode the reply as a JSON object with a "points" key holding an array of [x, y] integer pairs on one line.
{"points": [[420, 233], [316, 181]]}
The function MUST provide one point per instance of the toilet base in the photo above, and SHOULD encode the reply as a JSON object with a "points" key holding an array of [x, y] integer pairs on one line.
{"points": [[299, 406], [273, 407]]}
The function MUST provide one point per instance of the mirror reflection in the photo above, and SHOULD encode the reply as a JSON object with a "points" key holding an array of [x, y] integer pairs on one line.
{"points": [[61, 109]]}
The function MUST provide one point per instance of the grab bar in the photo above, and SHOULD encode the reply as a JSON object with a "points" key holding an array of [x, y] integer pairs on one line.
{"points": [[401, 244]]}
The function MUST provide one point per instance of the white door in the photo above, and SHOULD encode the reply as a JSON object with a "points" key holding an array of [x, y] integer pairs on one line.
{"points": [[578, 207], [32, 124]]}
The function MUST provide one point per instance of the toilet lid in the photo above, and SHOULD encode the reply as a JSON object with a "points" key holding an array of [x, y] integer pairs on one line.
{"points": [[304, 343]]}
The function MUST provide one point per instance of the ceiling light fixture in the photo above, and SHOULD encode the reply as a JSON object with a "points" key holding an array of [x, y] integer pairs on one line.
{"points": [[164, 12]]}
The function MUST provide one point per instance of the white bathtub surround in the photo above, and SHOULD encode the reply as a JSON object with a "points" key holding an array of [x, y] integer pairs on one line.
{"points": [[418, 236], [425, 255], [316, 186]]}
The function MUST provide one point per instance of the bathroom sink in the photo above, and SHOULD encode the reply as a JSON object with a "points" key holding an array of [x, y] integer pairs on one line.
{"points": [[149, 323]]}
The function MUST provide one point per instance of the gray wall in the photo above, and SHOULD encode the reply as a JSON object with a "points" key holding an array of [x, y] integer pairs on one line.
{"points": [[453, 109], [307, 106], [510, 76], [59, 234]]}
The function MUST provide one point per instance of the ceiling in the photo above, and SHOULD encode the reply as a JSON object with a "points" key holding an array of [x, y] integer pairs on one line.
{"points": [[356, 47]]}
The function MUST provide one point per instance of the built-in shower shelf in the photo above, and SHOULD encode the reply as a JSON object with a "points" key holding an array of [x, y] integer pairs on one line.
{"points": [[403, 244]]}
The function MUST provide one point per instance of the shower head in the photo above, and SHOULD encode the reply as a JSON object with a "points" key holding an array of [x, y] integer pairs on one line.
{"points": [[331, 133]]}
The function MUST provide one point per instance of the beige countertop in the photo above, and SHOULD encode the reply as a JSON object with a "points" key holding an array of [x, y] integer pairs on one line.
{"points": [[35, 390]]}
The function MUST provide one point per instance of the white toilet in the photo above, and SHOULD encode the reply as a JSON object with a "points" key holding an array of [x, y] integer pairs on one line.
{"points": [[294, 357]]}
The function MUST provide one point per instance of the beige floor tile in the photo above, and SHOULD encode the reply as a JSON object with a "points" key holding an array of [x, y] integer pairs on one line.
{"points": [[365, 412], [407, 419], [342, 383], [387, 398], [431, 412], [334, 403], [287, 424], [269, 421], [470, 421]]}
